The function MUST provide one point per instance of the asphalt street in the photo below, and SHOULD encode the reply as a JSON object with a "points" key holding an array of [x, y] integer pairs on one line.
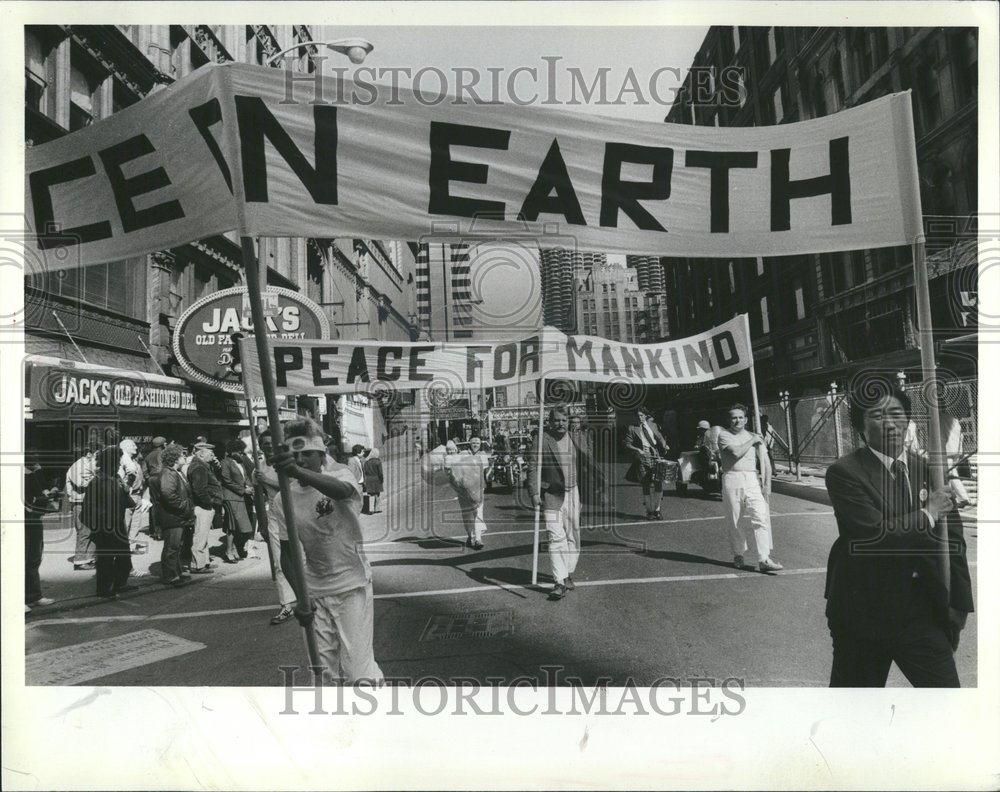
{"points": [[654, 599]]}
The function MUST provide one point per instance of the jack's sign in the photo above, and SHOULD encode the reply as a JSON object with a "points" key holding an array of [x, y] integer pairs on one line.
{"points": [[231, 147], [203, 340]]}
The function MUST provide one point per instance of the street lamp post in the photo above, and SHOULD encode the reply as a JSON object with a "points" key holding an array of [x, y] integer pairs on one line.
{"points": [[831, 398], [785, 400], [354, 48]]}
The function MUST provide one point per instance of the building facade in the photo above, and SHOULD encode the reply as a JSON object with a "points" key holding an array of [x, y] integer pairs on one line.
{"points": [[814, 319], [443, 293], [611, 304], [122, 314]]}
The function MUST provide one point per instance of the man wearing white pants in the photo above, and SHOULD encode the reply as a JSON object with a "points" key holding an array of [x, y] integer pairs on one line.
{"points": [[565, 466], [267, 478], [742, 489], [206, 492]]}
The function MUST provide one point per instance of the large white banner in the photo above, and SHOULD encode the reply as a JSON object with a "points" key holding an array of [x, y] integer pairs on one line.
{"points": [[240, 147], [374, 367]]}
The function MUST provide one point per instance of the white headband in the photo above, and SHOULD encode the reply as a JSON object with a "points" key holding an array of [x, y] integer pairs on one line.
{"points": [[310, 443]]}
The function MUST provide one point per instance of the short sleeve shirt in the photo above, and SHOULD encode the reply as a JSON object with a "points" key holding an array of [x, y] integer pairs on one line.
{"points": [[329, 534], [746, 463]]}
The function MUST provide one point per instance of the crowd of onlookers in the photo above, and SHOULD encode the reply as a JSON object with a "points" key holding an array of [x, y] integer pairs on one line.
{"points": [[176, 495]]}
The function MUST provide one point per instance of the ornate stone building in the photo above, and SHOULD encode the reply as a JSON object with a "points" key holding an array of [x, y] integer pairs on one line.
{"points": [[816, 318]]}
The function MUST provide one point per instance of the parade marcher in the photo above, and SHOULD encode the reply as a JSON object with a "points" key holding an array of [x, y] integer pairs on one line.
{"points": [[78, 477], [374, 479], [326, 501], [648, 447], [355, 463], [267, 477], [467, 473], [886, 599], [743, 489], [206, 492], [173, 509], [105, 504], [37, 503], [953, 440], [770, 437], [151, 468], [235, 487], [564, 466]]}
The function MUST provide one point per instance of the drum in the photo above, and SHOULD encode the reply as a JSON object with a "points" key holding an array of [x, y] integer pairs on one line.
{"points": [[665, 470]]}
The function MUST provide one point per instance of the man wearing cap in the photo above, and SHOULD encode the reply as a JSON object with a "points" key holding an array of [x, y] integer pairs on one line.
{"points": [[325, 498], [151, 469], [206, 492], [78, 477]]}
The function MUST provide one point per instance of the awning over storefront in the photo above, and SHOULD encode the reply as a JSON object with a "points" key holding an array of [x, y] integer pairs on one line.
{"points": [[60, 390]]}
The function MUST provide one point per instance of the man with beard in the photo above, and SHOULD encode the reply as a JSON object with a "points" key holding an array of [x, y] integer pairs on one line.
{"points": [[564, 466]]}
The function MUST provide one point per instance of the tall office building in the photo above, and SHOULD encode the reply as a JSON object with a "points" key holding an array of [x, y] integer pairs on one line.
{"points": [[649, 271], [444, 308], [610, 304], [562, 269]]}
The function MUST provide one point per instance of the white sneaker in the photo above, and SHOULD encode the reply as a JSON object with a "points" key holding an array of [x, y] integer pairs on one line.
{"points": [[769, 565], [44, 601]]}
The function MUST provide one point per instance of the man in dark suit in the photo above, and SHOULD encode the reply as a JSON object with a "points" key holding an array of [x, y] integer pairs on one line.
{"points": [[646, 444], [566, 467], [886, 598]]}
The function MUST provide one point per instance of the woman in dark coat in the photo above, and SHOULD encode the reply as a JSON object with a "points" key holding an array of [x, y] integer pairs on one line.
{"points": [[371, 467], [104, 505]]}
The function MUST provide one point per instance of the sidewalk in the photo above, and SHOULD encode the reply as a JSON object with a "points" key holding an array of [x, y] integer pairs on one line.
{"points": [[812, 487], [76, 589]]}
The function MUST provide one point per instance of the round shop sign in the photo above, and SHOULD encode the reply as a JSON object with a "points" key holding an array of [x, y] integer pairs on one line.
{"points": [[203, 338]]}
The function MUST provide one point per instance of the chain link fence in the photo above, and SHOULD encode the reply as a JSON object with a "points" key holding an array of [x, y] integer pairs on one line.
{"points": [[815, 425]]}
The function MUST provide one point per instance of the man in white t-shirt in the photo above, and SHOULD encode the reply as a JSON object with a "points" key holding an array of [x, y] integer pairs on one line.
{"points": [[743, 489], [326, 499]]}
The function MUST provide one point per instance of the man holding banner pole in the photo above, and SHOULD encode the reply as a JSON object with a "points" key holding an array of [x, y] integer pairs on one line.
{"points": [[561, 465], [304, 609]]}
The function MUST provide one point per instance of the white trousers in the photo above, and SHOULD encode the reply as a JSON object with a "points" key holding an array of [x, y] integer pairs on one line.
{"points": [[203, 519], [741, 495], [344, 626], [472, 517], [286, 594], [563, 526]]}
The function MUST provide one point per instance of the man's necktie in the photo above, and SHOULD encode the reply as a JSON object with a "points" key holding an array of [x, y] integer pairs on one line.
{"points": [[901, 482], [649, 436]]}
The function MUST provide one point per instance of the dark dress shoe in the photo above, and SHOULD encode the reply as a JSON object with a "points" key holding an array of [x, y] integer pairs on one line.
{"points": [[122, 589], [558, 592]]}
